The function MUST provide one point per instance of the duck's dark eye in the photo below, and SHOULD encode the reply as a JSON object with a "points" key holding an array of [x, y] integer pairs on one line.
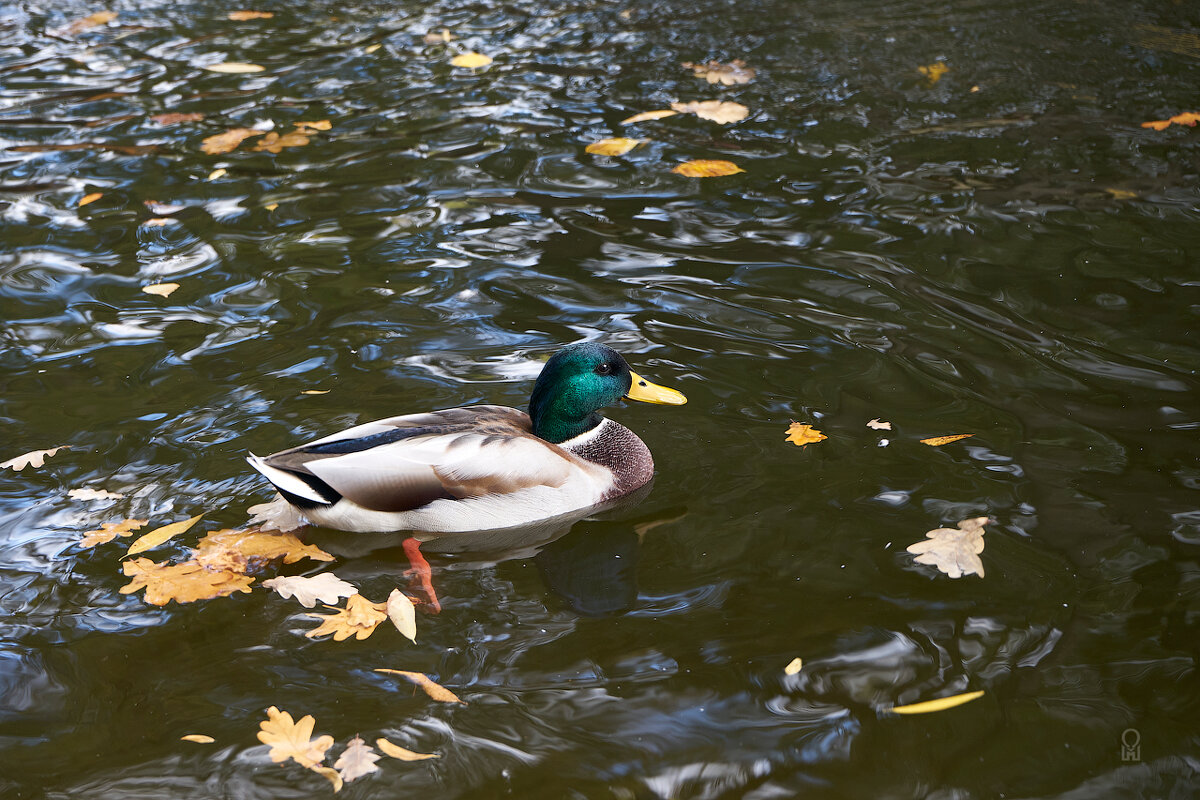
{"points": [[604, 369]]}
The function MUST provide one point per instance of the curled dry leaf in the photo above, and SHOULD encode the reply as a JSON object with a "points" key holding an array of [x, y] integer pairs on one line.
{"points": [[941, 704], [90, 198], [934, 71], [356, 760], [721, 111], [34, 458], [274, 143], [242, 16], [228, 141], [183, 583], [878, 425], [371, 48], [176, 118], [435, 690], [402, 753], [234, 67], [159, 535], [359, 619], [111, 530], [646, 116], [331, 775], [612, 147], [471, 60], [250, 549], [938, 441], [324, 588], [1189, 118], [293, 739], [954, 552], [90, 21], [800, 435], [198, 738], [93, 494], [794, 666], [217, 173], [160, 289], [403, 614], [707, 168], [729, 74], [316, 391]]}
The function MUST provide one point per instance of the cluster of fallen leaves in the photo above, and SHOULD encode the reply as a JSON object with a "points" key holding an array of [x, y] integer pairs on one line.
{"points": [[953, 551], [271, 142]]}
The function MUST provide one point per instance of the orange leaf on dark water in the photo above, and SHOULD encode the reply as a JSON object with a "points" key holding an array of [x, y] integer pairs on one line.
{"points": [[228, 141], [802, 434], [938, 441], [707, 168], [1189, 118]]}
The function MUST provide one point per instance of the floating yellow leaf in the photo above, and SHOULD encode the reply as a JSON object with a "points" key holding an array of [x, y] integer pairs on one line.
{"points": [[111, 530], [251, 549], [175, 118], [90, 198], [289, 739], [34, 458], [612, 147], [404, 754], [160, 289], [1189, 118], [359, 619], [953, 551], [1121, 194], [90, 21], [729, 74], [315, 125], [471, 60], [934, 71], [877, 425], [272, 207], [441, 37], [707, 168], [316, 391], [794, 666], [183, 583], [93, 494], [720, 111], [217, 173], [159, 535], [356, 760], [435, 690], [800, 435], [198, 738], [941, 704], [646, 116], [242, 16], [403, 614], [228, 141], [274, 143], [371, 48], [234, 67], [331, 775], [938, 441]]}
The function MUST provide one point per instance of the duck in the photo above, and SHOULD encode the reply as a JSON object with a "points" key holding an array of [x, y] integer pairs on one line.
{"points": [[480, 467]]}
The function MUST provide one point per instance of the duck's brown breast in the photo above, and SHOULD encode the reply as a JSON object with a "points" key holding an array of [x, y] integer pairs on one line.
{"points": [[619, 450]]}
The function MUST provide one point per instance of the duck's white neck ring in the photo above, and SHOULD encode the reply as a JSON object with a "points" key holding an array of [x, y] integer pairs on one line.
{"points": [[585, 437]]}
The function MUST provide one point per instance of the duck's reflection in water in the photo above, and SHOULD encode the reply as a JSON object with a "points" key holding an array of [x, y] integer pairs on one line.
{"points": [[588, 558]]}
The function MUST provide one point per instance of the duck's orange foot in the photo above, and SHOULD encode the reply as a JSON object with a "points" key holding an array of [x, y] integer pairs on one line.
{"points": [[420, 576]]}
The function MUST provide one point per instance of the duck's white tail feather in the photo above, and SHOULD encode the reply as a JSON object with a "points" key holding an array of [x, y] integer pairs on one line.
{"points": [[285, 480]]}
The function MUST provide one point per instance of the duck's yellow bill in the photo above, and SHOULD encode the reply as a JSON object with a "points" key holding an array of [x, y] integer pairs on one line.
{"points": [[648, 392]]}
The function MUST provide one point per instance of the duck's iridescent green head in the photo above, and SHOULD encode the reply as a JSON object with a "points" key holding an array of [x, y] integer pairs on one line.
{"points": [[581, 379]]}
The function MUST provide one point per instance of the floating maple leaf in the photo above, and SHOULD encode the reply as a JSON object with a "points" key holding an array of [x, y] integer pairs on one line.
{"points": [[111, 530], [243, 550], [800, 435], [228, 141], [359, 619], [325, 588], [402, 753], [729, 74], [34, 458], [435, 690], [291, 739], [707, 168], [183, 583], [954, 552], [357, 760], [720, 111]]}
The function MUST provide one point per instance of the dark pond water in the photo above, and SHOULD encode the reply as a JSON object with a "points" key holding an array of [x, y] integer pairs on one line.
{"points": [[1013, 260]]}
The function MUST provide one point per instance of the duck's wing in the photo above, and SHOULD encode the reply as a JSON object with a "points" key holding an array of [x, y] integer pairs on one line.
{"points": [[403, 463]]}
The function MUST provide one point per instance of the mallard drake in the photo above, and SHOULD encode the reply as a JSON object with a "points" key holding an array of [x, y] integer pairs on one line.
{"points": [[479, 467]]}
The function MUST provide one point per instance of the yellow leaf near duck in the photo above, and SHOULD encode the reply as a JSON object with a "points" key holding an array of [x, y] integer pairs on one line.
{"points": [[359, 619]]}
